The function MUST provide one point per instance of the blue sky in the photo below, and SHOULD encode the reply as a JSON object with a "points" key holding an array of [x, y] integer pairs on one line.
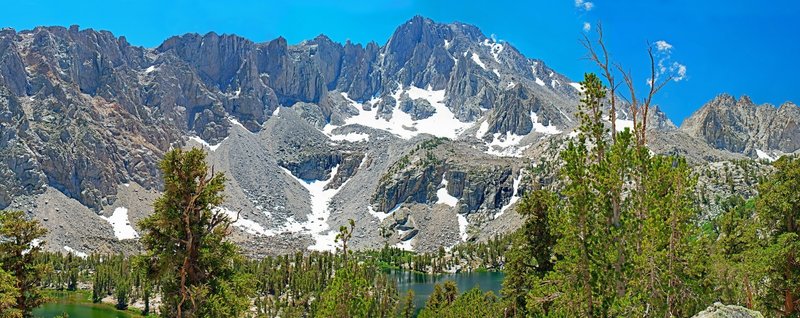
{"points": [[738, 47]]}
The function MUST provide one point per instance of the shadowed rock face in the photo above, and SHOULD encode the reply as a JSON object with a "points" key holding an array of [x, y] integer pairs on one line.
{"points": [[744, 127], [479, 183]]}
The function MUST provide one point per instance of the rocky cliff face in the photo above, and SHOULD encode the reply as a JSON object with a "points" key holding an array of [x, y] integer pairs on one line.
{"points": [[740, 126], [428, 137]]}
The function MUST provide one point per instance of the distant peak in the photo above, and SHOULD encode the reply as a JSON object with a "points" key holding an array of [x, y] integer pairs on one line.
{"points": [[419, 19], [322, 38], [789, 105], [745, 100], [724, 98]]}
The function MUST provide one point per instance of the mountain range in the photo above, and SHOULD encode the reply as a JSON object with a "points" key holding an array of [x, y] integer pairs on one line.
{"points": [[425, 141]]}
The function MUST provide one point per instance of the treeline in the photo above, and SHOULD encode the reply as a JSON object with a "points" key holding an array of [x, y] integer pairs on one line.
{"points": [[463, 257]]}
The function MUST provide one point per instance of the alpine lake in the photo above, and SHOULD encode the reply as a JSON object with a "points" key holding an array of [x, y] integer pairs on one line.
{"points": [[79, 304]]}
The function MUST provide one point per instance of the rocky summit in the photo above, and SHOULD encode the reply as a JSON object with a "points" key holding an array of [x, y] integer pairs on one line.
{"points": [[425, 141]]}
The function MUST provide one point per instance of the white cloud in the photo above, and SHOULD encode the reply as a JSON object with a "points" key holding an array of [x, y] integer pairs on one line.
{"points": [[665, 64], [663, 46], [584, 5], [587, 26], [679, 71]]}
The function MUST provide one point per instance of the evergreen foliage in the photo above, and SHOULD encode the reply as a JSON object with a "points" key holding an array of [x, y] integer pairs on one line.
{"points": [[185, 241], [19, 248]]}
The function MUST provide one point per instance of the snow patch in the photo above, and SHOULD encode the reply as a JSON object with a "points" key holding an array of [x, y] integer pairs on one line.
{"points": [[482, 129], [506, 145], [122, 226], [550, 129], [248, 226], [34, 243], [573, 134], [351, 137], [236, 123], [495, 48], [380, 215], [462, 227], [539, 81], [763, 155], [447, 44], [205, 143], [444, 196], [75, 252], [405, 245], [317, 222], [442, 123], [621, 124], [507, 140], [150, 69], [577, 86], [478, 61]]}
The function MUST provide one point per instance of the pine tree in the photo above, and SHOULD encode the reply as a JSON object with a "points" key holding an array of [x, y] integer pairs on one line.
{"points": [[8, 296], [529, 257], [623, 227], [18, 256], [407, 311], [778, 209], [185, 242]]}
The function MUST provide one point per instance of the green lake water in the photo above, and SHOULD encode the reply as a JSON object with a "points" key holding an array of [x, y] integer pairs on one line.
{"points": [[77, 305], [78, 311], [422, 284]]}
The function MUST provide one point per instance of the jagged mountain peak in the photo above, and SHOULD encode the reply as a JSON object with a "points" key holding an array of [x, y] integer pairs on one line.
{"points": [[743, 126], [259, 108], [789, 105]]}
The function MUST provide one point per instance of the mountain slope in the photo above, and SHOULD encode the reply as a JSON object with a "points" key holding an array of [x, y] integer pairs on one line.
{"points": [[762, 131], [425, 141]]}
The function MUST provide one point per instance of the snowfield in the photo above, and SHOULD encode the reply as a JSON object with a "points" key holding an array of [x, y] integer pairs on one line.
{"points": [[506, 145], [442, 123], [444, 197], [122, 226], [317, 222]]}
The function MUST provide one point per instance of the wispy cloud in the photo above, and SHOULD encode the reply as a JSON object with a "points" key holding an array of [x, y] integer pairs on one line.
{"points": [[584, 5], [665, 65], [587, 27], [663, 46]]}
